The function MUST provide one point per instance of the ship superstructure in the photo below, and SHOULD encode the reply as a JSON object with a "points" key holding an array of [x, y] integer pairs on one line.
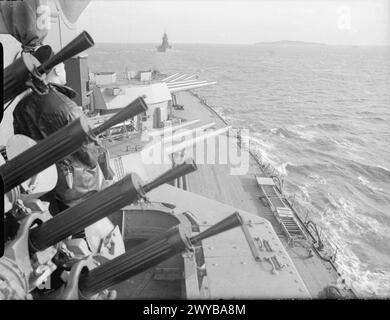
{"points": [[164, 44]]}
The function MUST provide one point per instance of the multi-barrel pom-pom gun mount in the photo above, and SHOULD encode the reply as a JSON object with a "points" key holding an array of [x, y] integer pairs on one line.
{"points": [[37, 237]]}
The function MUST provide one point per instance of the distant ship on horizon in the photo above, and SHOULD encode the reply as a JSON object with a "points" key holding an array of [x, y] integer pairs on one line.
{"points": [[164, 45]]}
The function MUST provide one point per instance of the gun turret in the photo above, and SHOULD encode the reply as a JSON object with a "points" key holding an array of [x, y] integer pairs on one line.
{"points": [[146, 255], [135, 107], [39, 63], [97, 206]]}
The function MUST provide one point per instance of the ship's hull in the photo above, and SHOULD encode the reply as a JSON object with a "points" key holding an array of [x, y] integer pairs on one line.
{"points": [[163, 48]]}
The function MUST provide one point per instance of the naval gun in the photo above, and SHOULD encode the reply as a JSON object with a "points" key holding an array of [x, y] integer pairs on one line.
{"points": [[59, 145], [97, 206], [85, 283], [30, 69], [30, 164], [28, 259]]}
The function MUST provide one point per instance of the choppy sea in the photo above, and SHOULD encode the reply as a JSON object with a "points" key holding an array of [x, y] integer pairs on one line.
{"points": [[319, 114]]}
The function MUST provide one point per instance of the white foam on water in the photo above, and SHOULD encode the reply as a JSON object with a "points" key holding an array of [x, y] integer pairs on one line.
{"points": [[382, 167], [299, 130], [357, 275], [343, 144], [344, 226], [282, 169], [368, 184], [318, 179], [305, 192], [262, 149], [355, 272]]}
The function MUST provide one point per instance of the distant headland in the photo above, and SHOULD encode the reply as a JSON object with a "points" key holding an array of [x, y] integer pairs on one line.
{"points": [[291, 43]]}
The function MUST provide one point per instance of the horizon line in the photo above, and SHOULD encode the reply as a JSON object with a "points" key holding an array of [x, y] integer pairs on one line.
{"points": [[309, 43]]}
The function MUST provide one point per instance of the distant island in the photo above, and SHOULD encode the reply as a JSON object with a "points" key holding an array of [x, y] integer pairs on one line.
{"points": [[291, 43]]}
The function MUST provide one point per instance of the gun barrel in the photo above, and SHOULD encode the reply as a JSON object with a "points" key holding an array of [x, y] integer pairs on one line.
{"points": [[82, 42], [134, 108], [133, 262], [40, 156], [147, 255], [232, 221], [92, 209], [176, 172], [87, 212]]}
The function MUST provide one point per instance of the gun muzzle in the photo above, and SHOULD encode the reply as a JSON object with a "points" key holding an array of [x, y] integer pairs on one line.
{"points": [[134, 108], [96, 207], [82, 42], [42, 155], [16, 74], [176, 172], [146, 255]]}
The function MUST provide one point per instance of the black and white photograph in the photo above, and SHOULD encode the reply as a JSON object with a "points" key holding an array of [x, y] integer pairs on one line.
{"points": [[215, 150]]}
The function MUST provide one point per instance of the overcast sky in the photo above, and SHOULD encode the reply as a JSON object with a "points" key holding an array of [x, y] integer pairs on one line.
{"points": [[353, 22]]}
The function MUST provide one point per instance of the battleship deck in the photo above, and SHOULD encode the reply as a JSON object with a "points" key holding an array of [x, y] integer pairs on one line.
{"points": [[241, 191]]}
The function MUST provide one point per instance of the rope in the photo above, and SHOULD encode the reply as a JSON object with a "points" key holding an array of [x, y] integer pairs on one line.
{"points": [[320, 245]]}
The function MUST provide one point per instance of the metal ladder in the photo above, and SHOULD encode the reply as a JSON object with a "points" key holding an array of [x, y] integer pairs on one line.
{"points": [[289, 223]]}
